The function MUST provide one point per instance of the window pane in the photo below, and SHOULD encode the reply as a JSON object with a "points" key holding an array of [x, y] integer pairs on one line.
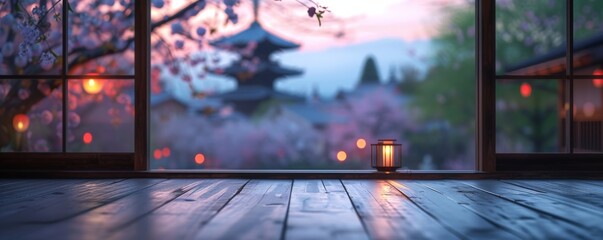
{"points": [[530, 116], [530, 37], [30, 116], [588, 36], [101, 116], [285, 92], [101, 37], [588, 115], [30, 37]]}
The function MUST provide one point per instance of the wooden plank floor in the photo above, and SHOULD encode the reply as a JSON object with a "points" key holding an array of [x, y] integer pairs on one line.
{"points": [[300, 209]]}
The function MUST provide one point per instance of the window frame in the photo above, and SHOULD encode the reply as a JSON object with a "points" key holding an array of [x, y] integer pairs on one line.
{"points": [[501, 162], [65, 160]]}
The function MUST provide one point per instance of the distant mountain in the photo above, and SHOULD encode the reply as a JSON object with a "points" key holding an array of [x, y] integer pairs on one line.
{"points": [[337, 68]]}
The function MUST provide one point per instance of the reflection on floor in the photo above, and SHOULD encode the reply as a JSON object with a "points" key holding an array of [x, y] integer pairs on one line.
{"points": [[300, 209]]}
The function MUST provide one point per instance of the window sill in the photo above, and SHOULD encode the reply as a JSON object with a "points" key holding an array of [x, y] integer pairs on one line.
{"points": [[300, 174]]}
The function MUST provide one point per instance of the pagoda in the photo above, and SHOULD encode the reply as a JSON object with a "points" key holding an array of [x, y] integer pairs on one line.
{"points": [[255, 71]]}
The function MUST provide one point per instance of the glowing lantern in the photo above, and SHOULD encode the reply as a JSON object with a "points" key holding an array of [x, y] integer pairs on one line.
{"points": [[92, 86], [157, 154], [87, 138], [341, 156], [525, 90], [386, 155], [360, 143], [597, 82], [21, 122], [199, 158], [166, 151]]}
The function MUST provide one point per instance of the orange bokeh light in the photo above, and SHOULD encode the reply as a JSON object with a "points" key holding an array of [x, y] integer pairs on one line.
{"points": [[87, 138], [199, 158], [92, 86], [157, 154], [166, 151], [525, 90], [341, 156], [361, 143], [598, 82], [21, 122]]}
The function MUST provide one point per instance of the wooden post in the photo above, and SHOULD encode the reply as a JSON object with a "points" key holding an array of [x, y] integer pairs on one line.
{"points": [[141, 70], [486, 85]]}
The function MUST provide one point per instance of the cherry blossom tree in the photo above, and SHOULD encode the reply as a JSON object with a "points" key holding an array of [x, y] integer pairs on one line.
{"points": [[282, 140], [100, 40]]}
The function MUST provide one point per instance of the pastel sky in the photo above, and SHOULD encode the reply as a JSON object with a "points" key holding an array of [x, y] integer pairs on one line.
{"points": [[395, 32], [362, 21], [358, 20]]}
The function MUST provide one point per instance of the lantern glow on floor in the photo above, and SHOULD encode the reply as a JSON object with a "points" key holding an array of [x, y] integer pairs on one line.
{"points": [[386, 155]]}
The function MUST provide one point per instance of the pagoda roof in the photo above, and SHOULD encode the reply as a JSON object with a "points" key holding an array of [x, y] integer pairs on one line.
{"points": [[253, 93], [273, 67], [255, 33], [315, 113], [587, 52]]}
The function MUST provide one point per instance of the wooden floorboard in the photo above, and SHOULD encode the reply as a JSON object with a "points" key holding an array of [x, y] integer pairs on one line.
{"points": [[45, 200], [103, 213], [24, 190], [387, 214], [551, 213], [182, 217], [448, 211], [592, 182], [576, 193], [300, 209], [257, 212], [70, 201], [526, 222], [321, 209]]}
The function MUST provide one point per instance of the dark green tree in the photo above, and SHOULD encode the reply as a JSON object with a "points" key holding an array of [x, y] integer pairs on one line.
{"points": [[410, 79], [524, 30], [369, 73]]}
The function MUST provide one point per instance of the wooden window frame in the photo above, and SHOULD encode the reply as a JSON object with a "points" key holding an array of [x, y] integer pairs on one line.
{"points": [[541, 162], [98, 161], [487, 160]]}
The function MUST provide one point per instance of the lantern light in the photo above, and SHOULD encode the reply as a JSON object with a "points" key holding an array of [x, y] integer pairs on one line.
{"points": [[166, 152], [157, 154], [341, 156], [525, 90], [21, 122], [92, 86], [386, 155], [361, 143], [598, 82], [87, 138]]}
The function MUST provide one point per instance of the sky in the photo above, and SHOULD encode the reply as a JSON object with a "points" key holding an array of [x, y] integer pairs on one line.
{"points": [[364, 21], [360, 21], [395, 32]]}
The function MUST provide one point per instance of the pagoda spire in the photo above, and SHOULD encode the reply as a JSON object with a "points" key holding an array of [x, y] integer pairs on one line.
{"points": [[256, 83], [256, 6]]}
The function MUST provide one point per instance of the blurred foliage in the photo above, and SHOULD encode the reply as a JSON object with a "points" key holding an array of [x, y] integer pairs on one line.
{"points": [[529, 124], [445, 96], [524, 30], [410, 80]]}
